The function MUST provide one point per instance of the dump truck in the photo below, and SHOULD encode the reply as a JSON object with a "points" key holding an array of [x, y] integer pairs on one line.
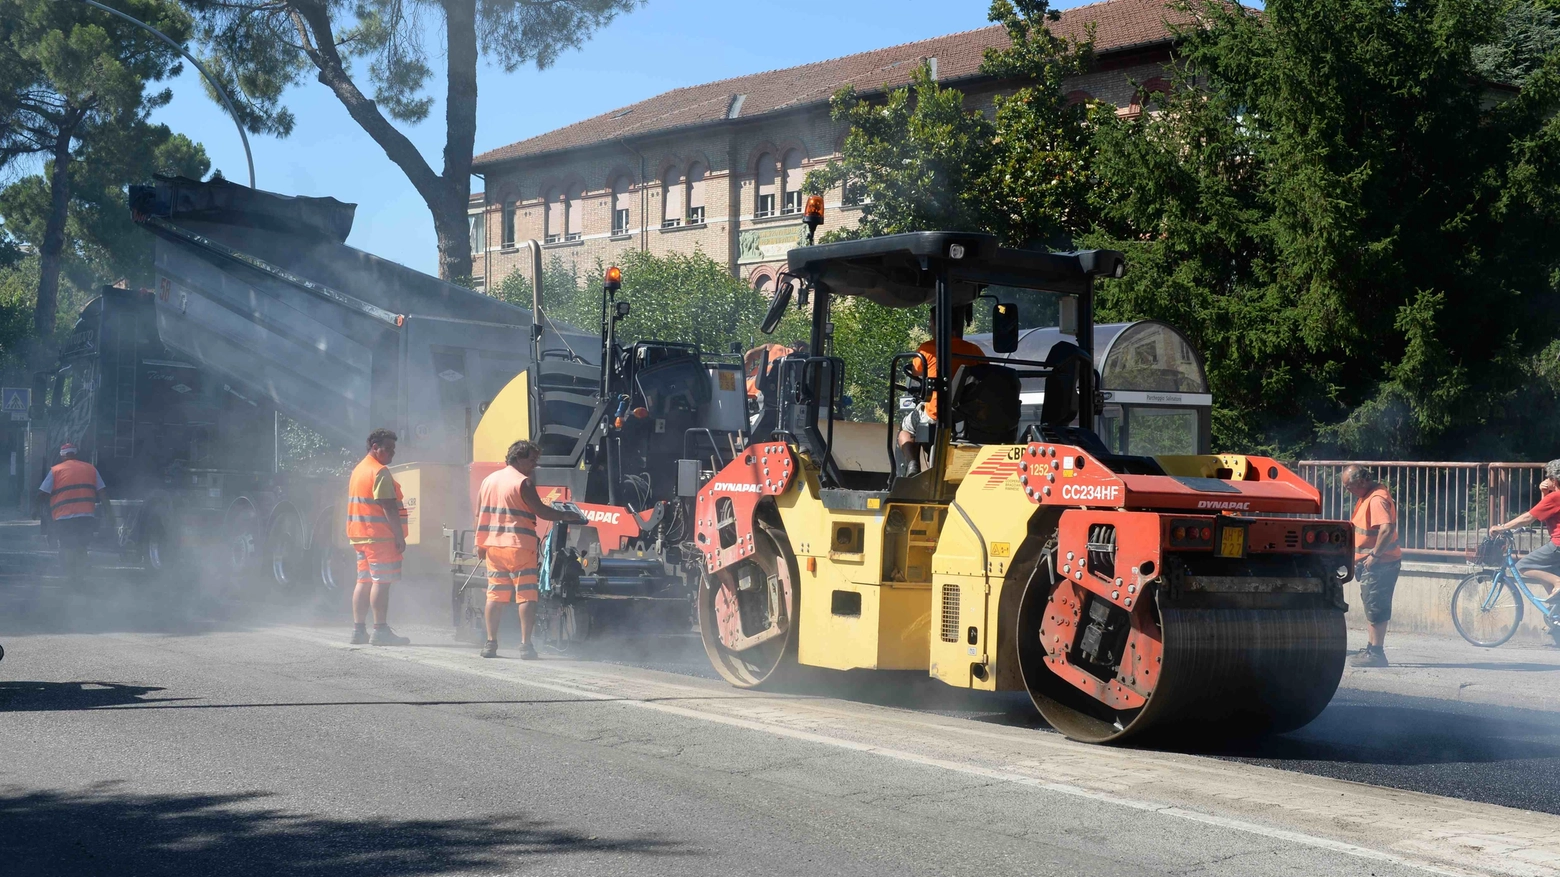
{"points": [[1149, 598], [260, 311]]}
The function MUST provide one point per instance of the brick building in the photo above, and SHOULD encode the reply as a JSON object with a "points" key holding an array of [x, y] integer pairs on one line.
{"points": [[719, 167]]}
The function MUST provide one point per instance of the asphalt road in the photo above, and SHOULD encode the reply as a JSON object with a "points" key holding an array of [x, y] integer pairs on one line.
{"points": [[135, 739]]}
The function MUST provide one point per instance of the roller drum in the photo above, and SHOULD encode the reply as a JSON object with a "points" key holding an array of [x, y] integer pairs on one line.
{"points": [[1227, 673]]}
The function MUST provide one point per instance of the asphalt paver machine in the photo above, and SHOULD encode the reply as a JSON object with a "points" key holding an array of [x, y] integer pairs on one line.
{"points": [[1134, 597]]}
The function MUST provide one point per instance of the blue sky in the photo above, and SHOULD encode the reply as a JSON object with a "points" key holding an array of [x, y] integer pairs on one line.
{"points": [[632, 59]]}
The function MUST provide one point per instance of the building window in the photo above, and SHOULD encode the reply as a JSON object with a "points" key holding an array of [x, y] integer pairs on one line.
{"points": [[765, 181], [791, 182], [622, 189], [477, 230], [671, 198], [1078, 96], [696, 194], [555, 219], [508, 224], [761, 283], [574, 214]]}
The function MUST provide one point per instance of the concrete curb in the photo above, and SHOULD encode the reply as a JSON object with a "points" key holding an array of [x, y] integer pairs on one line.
{"points": [[1422, 603]]}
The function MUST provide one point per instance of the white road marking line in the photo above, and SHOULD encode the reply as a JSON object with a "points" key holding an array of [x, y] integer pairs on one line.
{"points": [[448, 662]]}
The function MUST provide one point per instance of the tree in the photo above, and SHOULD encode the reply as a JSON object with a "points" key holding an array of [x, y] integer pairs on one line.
{"points": [[73, 82], [1361, 238], [1358, 232], [259, 48], [919, 158]]}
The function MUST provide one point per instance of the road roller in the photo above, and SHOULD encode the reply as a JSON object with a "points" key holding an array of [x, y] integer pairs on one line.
{"points": [[1162, 600]]}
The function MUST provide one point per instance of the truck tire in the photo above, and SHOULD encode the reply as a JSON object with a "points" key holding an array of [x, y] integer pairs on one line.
{"points": [[286, 561]]}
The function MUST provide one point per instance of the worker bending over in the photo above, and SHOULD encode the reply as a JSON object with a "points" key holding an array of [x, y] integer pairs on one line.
{"points": [[964, 353], [507, 509], [376, 527], [73, 488]]}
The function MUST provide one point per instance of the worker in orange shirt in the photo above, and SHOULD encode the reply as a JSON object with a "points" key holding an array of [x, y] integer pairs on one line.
{"points": [[964, 353], [73, 489], [507, 509], [1377, 558], [376, 527]]}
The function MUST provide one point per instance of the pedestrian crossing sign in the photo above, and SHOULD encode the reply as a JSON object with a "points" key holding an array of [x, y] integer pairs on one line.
{"points": [[15, 401]]}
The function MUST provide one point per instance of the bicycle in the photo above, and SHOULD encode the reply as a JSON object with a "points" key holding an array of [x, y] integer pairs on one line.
{"points": [[1487, 605]]}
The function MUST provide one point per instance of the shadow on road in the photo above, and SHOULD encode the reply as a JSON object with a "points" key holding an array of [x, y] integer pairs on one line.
{"points": [[105, 831], [57, 696]]}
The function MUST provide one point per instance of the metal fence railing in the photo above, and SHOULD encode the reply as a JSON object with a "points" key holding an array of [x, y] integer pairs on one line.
{"points": [[1444, 509]]}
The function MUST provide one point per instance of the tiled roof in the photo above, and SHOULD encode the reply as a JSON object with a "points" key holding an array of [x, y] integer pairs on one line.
{"points": [[1119, 25]]}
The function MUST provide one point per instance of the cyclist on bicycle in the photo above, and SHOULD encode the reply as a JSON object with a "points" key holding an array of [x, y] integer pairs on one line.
{"points": [[1542, 564]]}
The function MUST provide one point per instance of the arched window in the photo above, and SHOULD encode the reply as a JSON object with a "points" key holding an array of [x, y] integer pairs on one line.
{"points": [[1078, 96], [671, 198], [791, 182], [761, 283], [765, 181], [554, 217], [574, 213], [695, 194], [1149, 96], [622, 189]]}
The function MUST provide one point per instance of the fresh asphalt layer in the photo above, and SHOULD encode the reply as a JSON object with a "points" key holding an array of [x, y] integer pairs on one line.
{"points": [[143, 741]]}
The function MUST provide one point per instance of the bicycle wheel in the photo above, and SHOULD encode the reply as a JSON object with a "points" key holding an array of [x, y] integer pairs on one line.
{"points": [[1486, 612]]}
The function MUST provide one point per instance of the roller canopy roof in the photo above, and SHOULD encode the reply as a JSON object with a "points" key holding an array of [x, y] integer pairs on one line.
{"points": [[900, 270]]}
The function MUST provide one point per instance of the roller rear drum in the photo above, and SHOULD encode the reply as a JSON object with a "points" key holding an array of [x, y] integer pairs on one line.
{"points": [[1219, 673]]}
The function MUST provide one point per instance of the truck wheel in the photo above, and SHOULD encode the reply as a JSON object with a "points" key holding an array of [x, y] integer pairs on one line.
{"points": [[286, 560], [241, 541], [334, 566]]}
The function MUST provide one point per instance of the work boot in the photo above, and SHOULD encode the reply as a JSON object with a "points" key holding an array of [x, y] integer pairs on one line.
{"points": [[384, 636], [360, 635], [491, 649], [527, 652], [1370, 656]]}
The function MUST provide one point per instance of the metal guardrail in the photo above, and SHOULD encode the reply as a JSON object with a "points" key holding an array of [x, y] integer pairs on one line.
{"points": [[1444, 509]]}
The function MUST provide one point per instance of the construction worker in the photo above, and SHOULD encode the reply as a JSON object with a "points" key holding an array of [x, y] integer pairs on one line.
{"points": [[507, 509], [1377, 558], [376, 527], [1542, 564], [72, 489], [964, 352]]}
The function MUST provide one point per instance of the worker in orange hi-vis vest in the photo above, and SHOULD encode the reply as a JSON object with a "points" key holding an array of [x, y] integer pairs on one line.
{"points": [[376, 527], [73, 489], [507, 509], [1378, 559]]}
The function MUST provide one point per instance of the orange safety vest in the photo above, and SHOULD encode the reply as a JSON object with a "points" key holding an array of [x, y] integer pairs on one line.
{"points": [[1367, 527], [757, 363], [75, 489], [502, 518], [962, 351], [365, 516]]}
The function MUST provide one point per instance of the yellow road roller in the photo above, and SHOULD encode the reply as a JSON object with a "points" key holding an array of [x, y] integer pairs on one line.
{"points": [[1147, 598]]}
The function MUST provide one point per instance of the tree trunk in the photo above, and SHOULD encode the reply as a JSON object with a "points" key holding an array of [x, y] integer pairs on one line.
{"points": [[460, 135], [51, 253]]}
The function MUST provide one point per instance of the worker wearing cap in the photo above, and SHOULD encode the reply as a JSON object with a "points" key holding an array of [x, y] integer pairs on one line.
{"points": [[376, 527], [73, 488], [507, 509], [1377, 558], [925, 365]]}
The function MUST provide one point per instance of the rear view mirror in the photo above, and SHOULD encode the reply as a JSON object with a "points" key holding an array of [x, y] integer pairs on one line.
{"points": [[1004, 327], [776, 310]]}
